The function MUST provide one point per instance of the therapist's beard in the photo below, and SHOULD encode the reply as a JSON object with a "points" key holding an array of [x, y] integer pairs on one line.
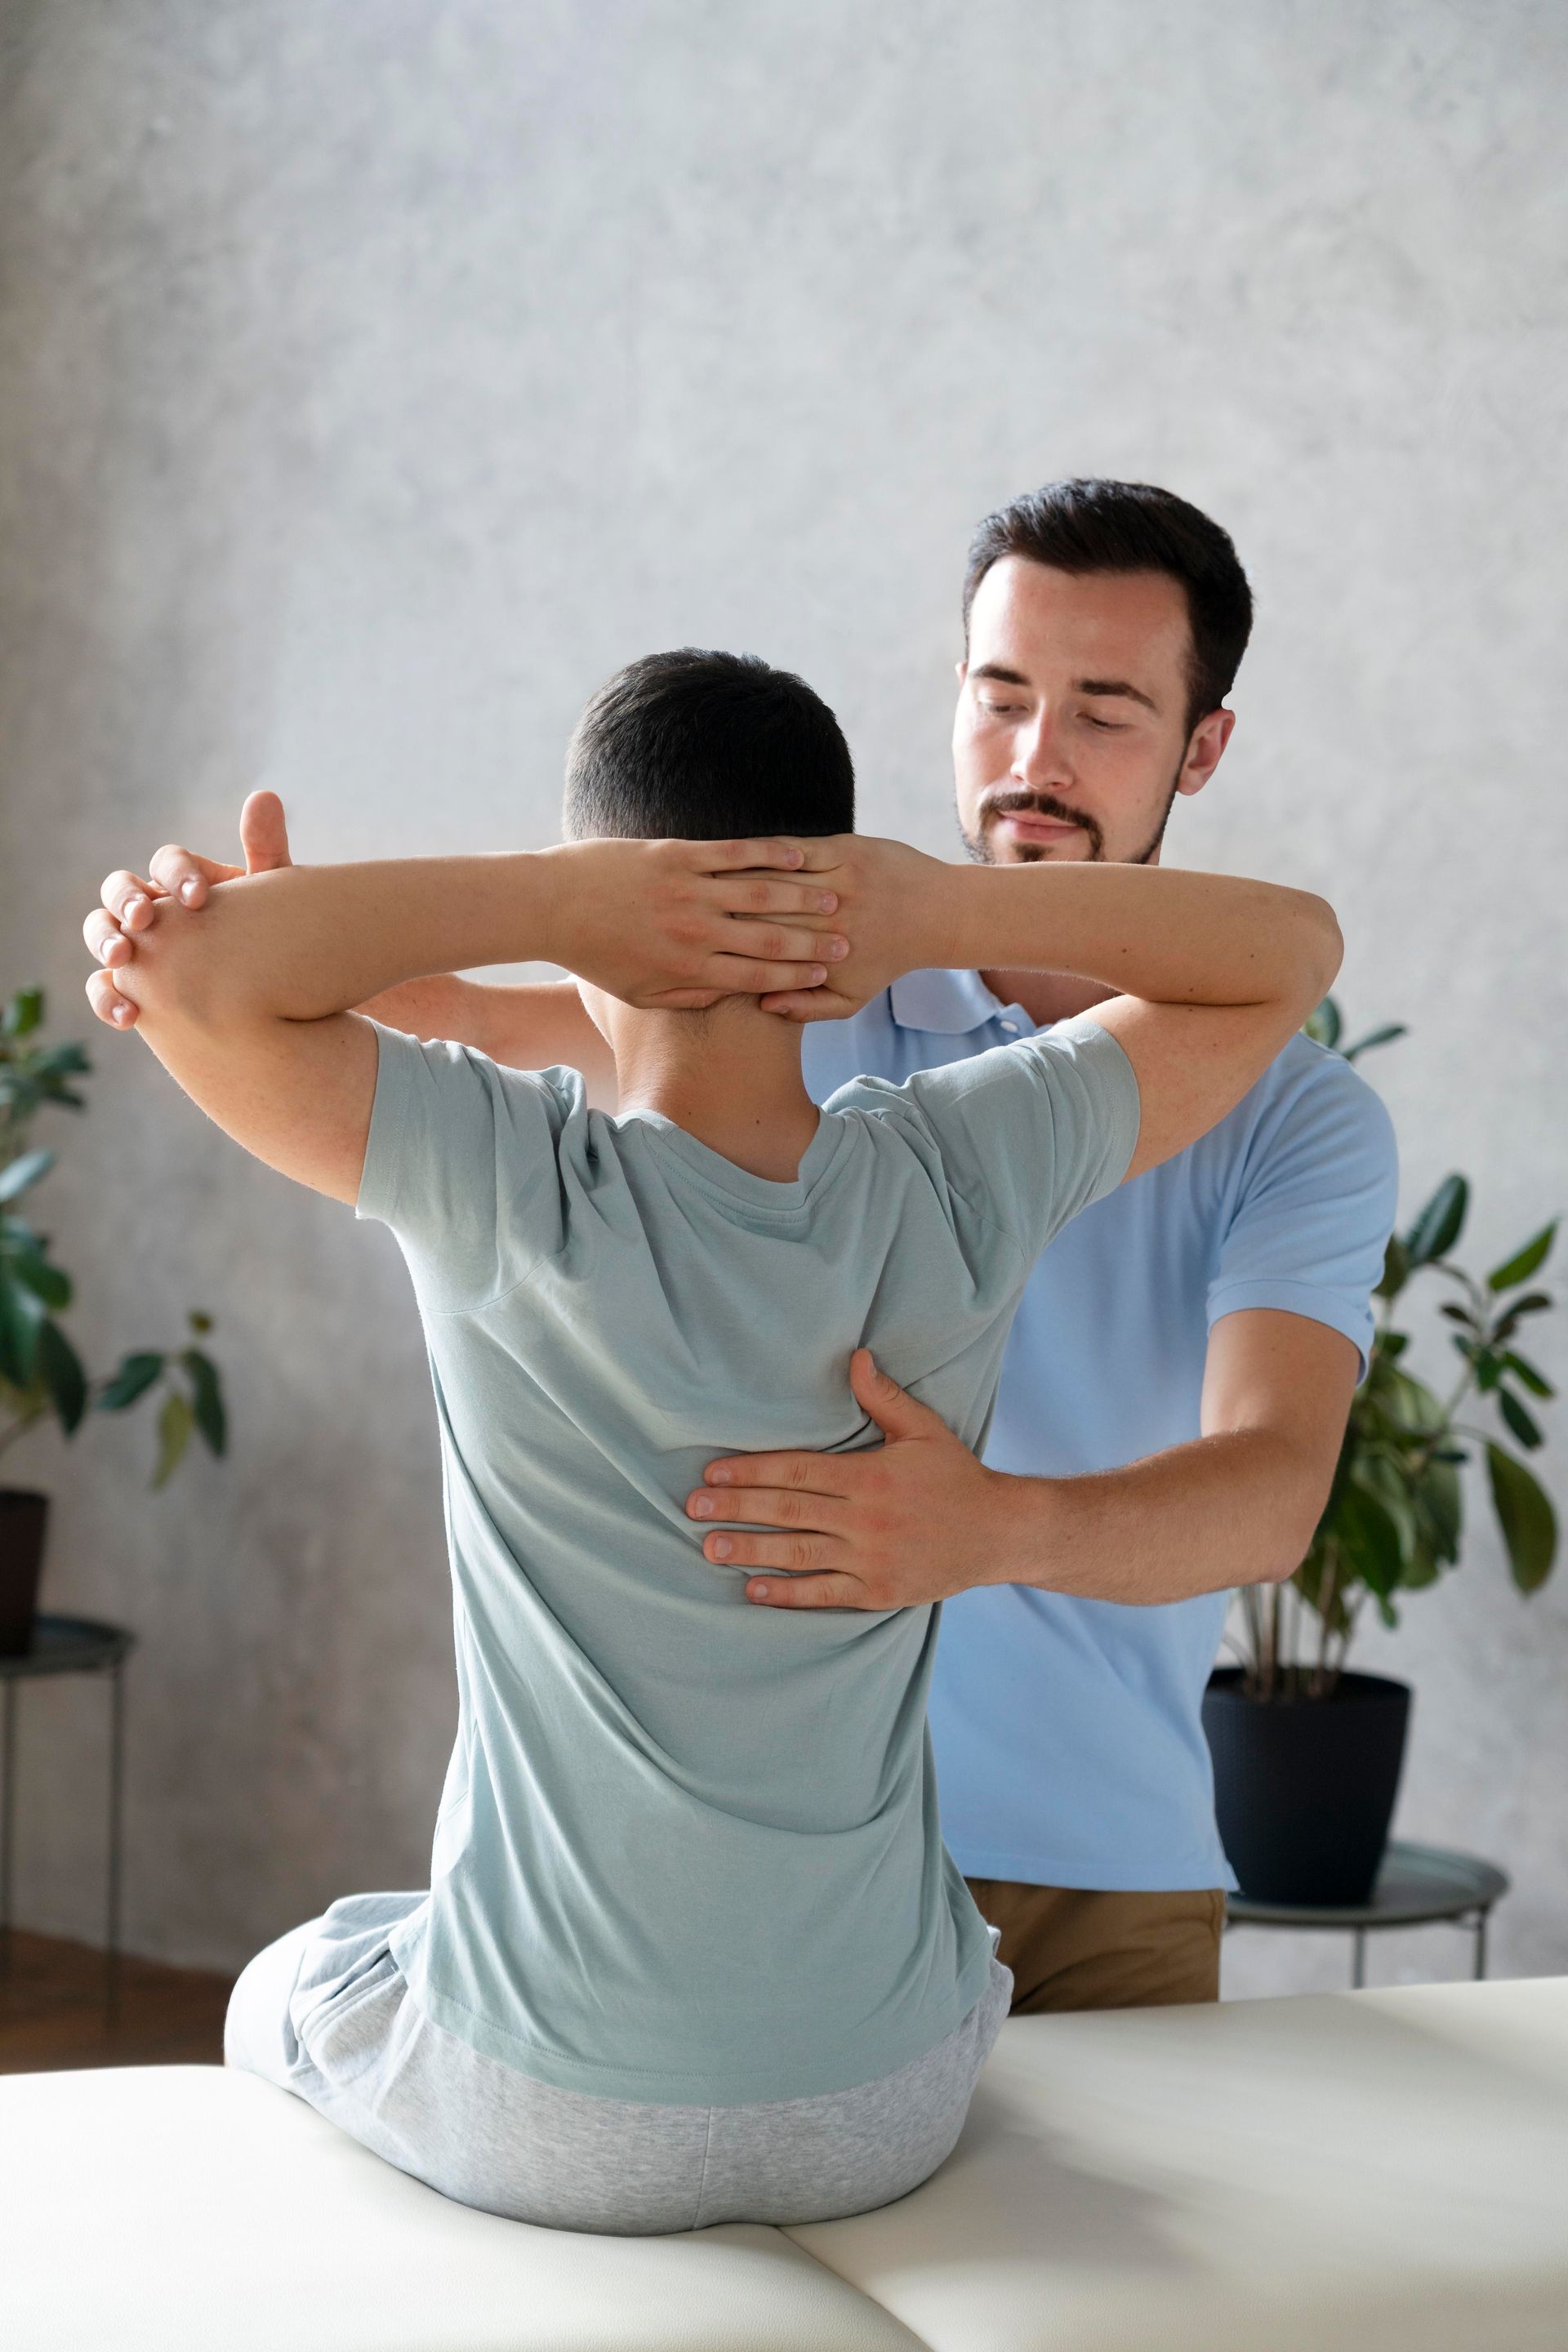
{"points": [[981, 846]]}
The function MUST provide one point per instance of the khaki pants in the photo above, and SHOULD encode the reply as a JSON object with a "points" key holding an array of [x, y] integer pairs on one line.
{"points": [[1069, 1947]]}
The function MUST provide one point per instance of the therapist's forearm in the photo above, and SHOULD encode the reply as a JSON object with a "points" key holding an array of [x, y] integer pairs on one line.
{"points": [[1239, 1508]]}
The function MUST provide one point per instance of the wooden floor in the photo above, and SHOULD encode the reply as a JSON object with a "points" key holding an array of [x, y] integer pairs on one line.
{"points": [[52, 2011]]}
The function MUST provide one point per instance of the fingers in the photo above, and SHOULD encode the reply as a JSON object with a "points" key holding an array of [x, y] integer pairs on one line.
{"points": [[728, 856], [772, 1507], [764, 894], [801, 1555], [182, 875], [105, 940], [811, 1473], [740, 976], [264, 833], [782, 942], [116, 1011], [129, 899], [803, 1004], [831, 1590]]}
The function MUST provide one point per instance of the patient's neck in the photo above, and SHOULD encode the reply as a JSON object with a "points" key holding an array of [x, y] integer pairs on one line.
{"points": [[730, 1076]]}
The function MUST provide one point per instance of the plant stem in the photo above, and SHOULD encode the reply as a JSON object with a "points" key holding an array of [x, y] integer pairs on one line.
{"points": [[19, 1428]]}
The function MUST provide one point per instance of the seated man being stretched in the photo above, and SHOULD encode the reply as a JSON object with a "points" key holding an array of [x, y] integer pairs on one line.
{"points": [[692, 1950]]}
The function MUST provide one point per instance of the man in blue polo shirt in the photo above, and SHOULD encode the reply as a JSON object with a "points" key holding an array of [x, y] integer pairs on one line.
{"points": [[1182, 1364]]}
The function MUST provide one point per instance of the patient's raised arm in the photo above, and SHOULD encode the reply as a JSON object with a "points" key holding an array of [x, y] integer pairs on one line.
{"points": [[247, 999], [529, 1025]]}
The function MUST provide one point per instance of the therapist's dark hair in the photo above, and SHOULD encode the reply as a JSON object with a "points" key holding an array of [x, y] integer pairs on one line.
{"points": [[697, 746], [1085, 525]]}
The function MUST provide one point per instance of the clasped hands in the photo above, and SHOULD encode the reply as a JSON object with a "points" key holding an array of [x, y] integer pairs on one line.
{"points": [[671, 925]]}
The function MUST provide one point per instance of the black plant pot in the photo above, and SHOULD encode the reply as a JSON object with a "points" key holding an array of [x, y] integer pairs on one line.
{"points": [[1304, 1788], [24, 1517]]}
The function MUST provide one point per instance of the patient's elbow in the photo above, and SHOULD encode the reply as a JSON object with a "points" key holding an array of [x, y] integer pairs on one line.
{"points": [[1320, 946]]}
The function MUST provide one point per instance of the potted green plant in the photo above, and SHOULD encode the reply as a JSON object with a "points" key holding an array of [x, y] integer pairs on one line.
{"points": [[42, 1376], [1307, 1753]]}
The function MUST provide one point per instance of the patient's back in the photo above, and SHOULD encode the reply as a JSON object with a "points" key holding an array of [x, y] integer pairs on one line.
{"points": [[689, 1850]]}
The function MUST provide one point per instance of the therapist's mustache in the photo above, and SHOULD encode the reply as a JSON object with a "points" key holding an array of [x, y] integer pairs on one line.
{"points": [[996, 804]]}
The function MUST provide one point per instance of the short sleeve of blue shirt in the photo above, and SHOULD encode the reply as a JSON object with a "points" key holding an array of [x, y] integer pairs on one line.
{"points": [[1029, 1133], [1314, 1198], [461, 1162]]}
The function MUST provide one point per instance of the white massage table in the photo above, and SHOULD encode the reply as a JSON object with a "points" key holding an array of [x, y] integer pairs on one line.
{"points": [[1356, 2173]]}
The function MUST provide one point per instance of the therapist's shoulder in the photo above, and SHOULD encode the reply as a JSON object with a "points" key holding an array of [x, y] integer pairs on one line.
{"points": [[1310, 1105]]}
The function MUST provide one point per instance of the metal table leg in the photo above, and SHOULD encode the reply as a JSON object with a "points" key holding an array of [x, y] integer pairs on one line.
{"points": [[1480, 1946], [116, 1818], [8, 1821], [1358, 1969]]}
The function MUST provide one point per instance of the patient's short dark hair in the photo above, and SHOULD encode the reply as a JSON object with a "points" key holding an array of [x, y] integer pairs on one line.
{"points": [[695, 746]]}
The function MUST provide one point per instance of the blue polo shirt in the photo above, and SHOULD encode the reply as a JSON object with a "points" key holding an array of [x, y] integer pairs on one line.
{"points": [[1069, 1741]]}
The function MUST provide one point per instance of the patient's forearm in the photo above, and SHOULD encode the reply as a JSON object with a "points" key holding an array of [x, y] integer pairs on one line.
{"points": [[1166, 937], [309, 941]]}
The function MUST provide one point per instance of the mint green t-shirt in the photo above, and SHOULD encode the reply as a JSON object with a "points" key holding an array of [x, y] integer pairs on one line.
{"points": [[687, 1850]]}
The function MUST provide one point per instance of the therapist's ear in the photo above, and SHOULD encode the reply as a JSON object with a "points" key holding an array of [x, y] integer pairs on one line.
{"points": [[1207, 742]]}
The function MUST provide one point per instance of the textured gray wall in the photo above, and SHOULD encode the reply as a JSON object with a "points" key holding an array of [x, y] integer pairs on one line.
{"points": [[374, 379]]}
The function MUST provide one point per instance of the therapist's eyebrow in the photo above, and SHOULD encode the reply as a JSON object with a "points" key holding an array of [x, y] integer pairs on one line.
{"points": [[1116, 686], [1120, 687]]}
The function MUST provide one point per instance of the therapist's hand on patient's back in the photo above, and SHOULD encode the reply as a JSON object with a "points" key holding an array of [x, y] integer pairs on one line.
{"points": [[870, 1530]]}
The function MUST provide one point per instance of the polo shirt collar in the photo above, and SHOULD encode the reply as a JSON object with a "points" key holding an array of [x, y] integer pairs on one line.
{"points": [[947, 1003]]}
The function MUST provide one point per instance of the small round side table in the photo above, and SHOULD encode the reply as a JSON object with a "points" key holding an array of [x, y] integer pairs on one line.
{"points": [[1417, 1885], [68, 1645]]}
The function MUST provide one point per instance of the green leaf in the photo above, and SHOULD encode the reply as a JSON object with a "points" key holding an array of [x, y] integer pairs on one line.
{"points": [[1536, 1302], [21, 1314], [135, 1376], [1488, 1368], [1323, 1025], [24, 1172], [1522, 1424], [24, 1012], [1395, 1269], [1527, 1519], [59, 1367], [176, 1422], [1439, 1502], [1439, 1226], [1536, 1383], [1371, 1539], [1384, 1036], [27, 1264], [1459, 1315], [61, 1061], [206, 1397], [1523, 1264]]}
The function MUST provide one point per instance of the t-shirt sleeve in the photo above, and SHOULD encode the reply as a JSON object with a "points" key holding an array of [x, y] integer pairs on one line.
{"points": [[1317, 1197], [1031, 1133], [462, 1163]]}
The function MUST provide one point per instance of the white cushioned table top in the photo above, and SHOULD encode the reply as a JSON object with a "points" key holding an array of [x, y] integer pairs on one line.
{"points": [[1370, 2172]]}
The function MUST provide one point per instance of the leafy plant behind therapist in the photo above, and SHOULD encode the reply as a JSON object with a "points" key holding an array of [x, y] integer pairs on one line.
{"points": [[1181, 1368]]}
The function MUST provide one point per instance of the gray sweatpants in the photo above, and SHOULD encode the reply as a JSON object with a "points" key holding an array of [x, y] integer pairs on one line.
{"points": [[324, 2012]]}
